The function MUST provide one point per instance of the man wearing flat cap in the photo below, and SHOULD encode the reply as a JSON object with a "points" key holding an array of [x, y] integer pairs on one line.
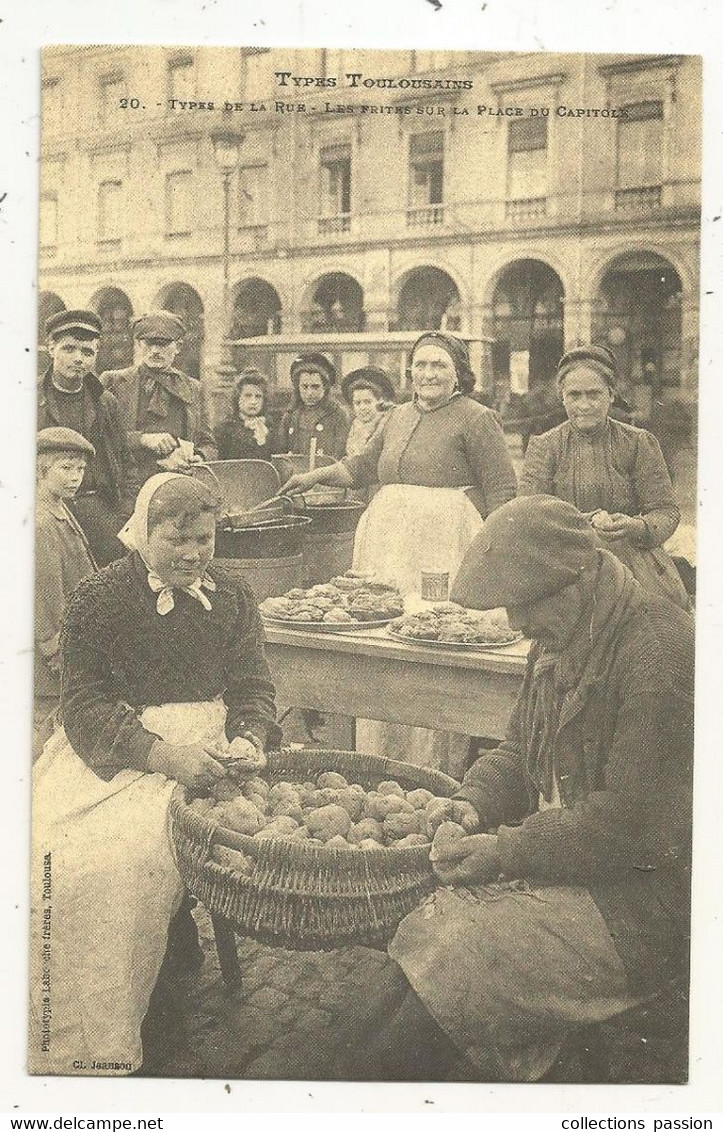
{"points": [[160, 405], [565, 883], [71, 396]]}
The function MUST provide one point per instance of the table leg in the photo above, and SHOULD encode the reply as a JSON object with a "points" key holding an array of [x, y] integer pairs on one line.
{"points": [[226, 949]]}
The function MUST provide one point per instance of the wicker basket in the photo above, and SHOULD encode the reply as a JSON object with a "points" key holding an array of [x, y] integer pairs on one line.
{"points": [[310, 897]]}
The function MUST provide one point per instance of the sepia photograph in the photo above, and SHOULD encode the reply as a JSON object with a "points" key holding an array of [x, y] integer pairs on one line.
{"points": [[365, 564]]}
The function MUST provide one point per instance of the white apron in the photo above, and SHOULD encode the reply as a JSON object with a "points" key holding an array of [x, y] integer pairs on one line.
{"points": [[104, 889], [404, 530]]}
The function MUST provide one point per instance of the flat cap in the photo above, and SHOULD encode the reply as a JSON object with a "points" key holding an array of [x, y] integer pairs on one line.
{"points": [[530, 548], [159, 324], [58, 439], [65, 322]]}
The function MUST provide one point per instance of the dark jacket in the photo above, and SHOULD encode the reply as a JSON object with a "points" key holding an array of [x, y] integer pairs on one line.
{"points": [[105, 429], [236, 442], [119, 655], [326, 421], [623, 751], [190, 399]]}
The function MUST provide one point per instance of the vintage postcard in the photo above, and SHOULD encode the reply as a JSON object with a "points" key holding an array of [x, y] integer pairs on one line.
{"points": [[365, 564]]}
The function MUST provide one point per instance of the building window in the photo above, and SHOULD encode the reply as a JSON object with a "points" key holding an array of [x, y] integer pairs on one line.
{"points": [[179, 203], [335, 190], [640, 156], [52, 105], [49, 221], [426, 179], [526, 168], [258, 74], [182, 79], [253, 196], [112, 90], [110, 211]]}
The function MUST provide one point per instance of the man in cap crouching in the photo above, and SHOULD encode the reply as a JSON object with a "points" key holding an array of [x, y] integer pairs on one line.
{"points": [[571, 903], [71, 396], [165, 412]]}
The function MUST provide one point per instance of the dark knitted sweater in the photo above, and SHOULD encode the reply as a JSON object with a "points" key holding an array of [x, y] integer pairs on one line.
{"points": [[119, 655], [623, 753]]}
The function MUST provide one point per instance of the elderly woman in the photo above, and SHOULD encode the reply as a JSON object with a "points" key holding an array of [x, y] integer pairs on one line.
{"points": [[314, 419], [245, 435], [368, 391], [163, 671], [613, 472], [443, 465]]}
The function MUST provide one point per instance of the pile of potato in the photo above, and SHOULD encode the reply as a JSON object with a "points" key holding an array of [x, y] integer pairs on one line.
{"points": [[330, 811]]}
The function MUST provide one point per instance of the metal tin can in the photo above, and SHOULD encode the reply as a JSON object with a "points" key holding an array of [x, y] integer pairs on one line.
{"points": [[435, 585]]}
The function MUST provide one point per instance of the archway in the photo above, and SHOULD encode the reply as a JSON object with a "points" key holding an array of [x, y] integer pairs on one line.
{"points": [[184, 301], [637, 313], [256, 309], [336, 305], [527, 322], [48, 304], [114, 308], [429, 299]]}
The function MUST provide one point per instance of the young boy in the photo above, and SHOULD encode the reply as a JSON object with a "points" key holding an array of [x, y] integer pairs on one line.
{"points": [[62, 558]]}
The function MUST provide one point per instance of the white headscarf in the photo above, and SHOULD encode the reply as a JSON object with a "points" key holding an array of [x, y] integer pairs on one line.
{"points": [[134, 535]]}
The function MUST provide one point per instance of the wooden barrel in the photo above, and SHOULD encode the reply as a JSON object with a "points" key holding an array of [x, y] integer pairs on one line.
{"points": [[268, 577], [326, 555]]}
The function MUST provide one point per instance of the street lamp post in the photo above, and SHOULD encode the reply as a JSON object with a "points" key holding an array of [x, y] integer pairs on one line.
{"points": [[226, 146]]}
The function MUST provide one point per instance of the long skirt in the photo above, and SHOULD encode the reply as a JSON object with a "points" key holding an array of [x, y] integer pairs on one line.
{"points": [[104, 889], [404, 530], [507, 973]]}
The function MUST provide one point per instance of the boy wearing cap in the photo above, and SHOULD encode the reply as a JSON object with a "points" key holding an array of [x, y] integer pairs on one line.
{"points": [[159, 404], [71, 396], [62, 555], [572, 904]]}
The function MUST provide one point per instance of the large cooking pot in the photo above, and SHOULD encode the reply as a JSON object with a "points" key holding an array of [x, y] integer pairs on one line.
{"points": [[276, 539]]}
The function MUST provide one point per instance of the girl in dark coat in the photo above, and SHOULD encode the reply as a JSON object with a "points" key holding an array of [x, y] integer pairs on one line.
{"points": [[246, 435], [313, 414]]}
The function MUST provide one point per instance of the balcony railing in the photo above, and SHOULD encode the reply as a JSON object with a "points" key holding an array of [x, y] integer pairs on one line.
{"points": [[335, 225], [638, 200], [426, 217], [525, 208]]}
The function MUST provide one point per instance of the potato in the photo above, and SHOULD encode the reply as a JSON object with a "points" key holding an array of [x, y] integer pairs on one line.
{"points": [[282, 792], [411, 839], [390, 787], [300, 834], [234, 859], [327, 796], [332, 779], [278, 827], [327, 821], [397, 826], [369, 843], [203, 806], [224, 790], [242, 815], [352, 803], [380, 805], [419, 798], [287, 809], [260, 801], [447, 833], [256, 785], [366, 829], [338, 842], [307, 794]]}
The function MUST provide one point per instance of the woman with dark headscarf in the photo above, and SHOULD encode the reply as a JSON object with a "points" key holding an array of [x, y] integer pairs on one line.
{"points": [[613, 472], [314, 415], [245, 435]]}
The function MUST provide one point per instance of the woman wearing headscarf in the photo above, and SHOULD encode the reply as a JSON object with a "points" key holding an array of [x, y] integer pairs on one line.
{"points": [[314, 415], [613, 472], [163, 670], [245, 434], [443, 466], [369, 393]]}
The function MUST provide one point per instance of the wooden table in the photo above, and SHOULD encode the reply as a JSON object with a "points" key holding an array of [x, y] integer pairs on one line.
{"points": [[370, 675]]}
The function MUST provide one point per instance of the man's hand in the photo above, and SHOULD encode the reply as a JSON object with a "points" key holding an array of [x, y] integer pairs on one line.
{"points": [[250, 750], [621, 526], [192, 765], [470, 860], [160, 443], [447, 809]]}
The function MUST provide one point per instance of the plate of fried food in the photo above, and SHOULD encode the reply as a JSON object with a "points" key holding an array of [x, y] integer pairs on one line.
{"points": [[450, 626], [354, 603]]}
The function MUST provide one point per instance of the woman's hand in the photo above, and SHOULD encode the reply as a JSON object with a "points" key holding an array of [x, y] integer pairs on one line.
{"points": [[250, 750], [472, 859], [620, 526], [448, 809], [192, 765], [300, 482]]}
